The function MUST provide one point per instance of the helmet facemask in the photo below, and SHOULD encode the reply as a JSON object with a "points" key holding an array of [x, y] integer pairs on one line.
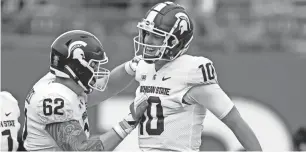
{"points": [[90, 75], [100, 75], [143, 49]]}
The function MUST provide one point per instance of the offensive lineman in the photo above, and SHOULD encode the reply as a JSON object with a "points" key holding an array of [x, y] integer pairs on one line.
{"points": [[56, 107]]}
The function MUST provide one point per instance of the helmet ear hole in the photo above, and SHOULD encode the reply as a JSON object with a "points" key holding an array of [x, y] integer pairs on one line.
{"points": [[57, 60], [171, 41], [170, 53]]}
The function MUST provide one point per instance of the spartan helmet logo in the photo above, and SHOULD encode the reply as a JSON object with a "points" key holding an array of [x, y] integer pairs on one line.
{"points": [[75, 49], [77, 52], [183, 22]]}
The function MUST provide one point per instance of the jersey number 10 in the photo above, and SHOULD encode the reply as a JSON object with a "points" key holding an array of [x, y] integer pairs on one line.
{"points": [[208, 71], [153, 101]]}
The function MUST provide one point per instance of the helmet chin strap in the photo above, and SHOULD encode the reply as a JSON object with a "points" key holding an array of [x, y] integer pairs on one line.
{"points": [[76, 79], [58, 73]]}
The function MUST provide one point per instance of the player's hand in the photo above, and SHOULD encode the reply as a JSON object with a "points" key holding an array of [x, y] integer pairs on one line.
{"points": [[129, 123], [134, 62], [131, 65], [139, 106]]}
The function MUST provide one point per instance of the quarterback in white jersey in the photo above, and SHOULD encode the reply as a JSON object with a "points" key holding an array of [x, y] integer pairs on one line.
{"points": [[180, 87], [56, 106], [9, 125]]}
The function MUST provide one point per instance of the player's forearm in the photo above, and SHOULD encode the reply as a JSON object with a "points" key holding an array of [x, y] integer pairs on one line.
{"points": [[246, 136], [91, 144], [110, 140], [119, 79], [113, 137], [242, 130], [70, 136], [105, 142]]}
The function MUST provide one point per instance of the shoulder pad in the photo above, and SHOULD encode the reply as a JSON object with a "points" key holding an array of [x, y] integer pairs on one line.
{"points": [[8, 101], [143, 68], [201, 71], [7, 97]]}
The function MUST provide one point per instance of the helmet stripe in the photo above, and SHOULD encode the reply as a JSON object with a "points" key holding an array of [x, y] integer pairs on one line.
{"points": [[160, 6], [153, 13], [151, 16]]}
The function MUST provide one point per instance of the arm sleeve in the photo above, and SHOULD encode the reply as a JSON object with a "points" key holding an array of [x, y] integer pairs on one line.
{"points": [[70, 136]]}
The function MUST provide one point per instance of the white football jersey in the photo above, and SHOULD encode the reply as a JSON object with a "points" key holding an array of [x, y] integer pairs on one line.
{"points": [[170, 123], [9, 125], [50, 102]]}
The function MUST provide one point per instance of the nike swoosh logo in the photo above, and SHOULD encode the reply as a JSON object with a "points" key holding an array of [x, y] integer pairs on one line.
{"points": [[164, 79], [7, 114]]}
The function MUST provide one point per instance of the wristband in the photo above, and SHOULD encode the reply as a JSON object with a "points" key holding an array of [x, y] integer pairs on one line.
{"points": [[118, 129], [124, 128]]}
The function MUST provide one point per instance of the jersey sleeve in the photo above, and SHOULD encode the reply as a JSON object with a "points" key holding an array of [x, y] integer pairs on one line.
{"points": [[202, 71], [54, 108], [211, 97], [142, 70]]}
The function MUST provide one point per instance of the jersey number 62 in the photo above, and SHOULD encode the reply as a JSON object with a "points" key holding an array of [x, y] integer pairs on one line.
{"points": [[48, 109]]}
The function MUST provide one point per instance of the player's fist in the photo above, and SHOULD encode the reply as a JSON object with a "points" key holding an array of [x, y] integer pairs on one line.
{"points": [[131, 65], [139, 106], [129, 123]]}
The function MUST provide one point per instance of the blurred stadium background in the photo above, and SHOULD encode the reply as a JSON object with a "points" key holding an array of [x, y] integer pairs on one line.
{"points": [[258, 47]]}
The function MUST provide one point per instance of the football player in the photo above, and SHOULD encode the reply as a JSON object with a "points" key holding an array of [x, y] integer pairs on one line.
{"points": [[9, 125], [181, 87], [56, 107]]}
